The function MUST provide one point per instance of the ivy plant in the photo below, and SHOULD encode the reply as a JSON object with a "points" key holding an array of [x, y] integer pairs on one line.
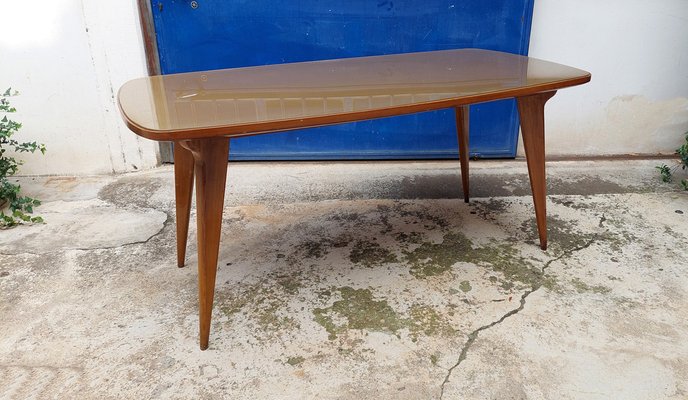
{"points": [[18, 207], [666, 172]]}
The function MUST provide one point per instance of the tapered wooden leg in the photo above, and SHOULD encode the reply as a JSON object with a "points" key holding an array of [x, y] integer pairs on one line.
{"points": [[532, 113], [210, 156], [183, 189], [462, 133]]}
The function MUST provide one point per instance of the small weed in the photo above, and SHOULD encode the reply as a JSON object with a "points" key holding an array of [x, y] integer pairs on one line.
{"points": [[666, 172], [19, 206]]}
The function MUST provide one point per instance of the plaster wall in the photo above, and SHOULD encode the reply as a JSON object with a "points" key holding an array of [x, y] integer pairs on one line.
{"points": [[67, 58], [637, 52]]}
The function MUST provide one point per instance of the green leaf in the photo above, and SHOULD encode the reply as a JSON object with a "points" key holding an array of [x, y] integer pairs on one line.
{"points": [[664, 172], [21, 216], [6, 220]]}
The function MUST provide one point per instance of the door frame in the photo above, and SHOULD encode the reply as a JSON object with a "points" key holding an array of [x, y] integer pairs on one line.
{"points": [[150, 49]]}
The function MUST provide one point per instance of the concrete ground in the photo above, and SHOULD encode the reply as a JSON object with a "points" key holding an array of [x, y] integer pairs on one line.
{"points": [[354, 281]]}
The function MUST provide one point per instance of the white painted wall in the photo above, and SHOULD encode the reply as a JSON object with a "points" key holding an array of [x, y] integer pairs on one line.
{"points": [[69, 57], [637, 52]]}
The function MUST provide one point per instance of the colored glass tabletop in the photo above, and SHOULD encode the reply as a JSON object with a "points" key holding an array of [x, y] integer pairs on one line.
{"points": [[253, 100]]}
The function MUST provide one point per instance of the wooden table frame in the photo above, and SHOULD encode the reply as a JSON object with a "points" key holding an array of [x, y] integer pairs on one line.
{"points": [[202, 154], [207, 159]]}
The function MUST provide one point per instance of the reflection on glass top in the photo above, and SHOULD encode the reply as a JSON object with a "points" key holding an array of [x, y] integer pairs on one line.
{"points": [[240, 97]]}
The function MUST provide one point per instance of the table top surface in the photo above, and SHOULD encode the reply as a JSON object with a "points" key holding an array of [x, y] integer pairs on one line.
{"points": [[253, 100]]}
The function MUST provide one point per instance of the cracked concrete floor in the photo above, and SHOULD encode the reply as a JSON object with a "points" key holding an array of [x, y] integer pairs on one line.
{"points": [[354, 280]]}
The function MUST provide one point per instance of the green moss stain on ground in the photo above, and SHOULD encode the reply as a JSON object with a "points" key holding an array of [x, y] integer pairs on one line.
{"points": [[497, 205], [264, 303], [465, 286], [316, 249], [424, 216], [494, 206], [312, 249], [487, 209], [571, 203], [425, 320], [345, 216], [408, 238], [434, 358], [370, 254], [431, 259], [671, 232], [267, 314], [290, 284], [577, 202], [294, 361], [359, 309], [561, 235], [582, 287], [516, 271], [617, 233], [233, 302]]}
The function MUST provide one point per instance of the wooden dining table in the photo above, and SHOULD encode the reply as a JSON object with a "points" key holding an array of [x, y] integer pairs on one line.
{"points": [[201, 111]]}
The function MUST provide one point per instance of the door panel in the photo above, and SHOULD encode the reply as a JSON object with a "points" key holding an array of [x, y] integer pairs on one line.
{"points": [[237, 33]]}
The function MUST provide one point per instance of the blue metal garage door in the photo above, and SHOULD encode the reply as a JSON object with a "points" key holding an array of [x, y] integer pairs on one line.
{"points": [[210, 34]]}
